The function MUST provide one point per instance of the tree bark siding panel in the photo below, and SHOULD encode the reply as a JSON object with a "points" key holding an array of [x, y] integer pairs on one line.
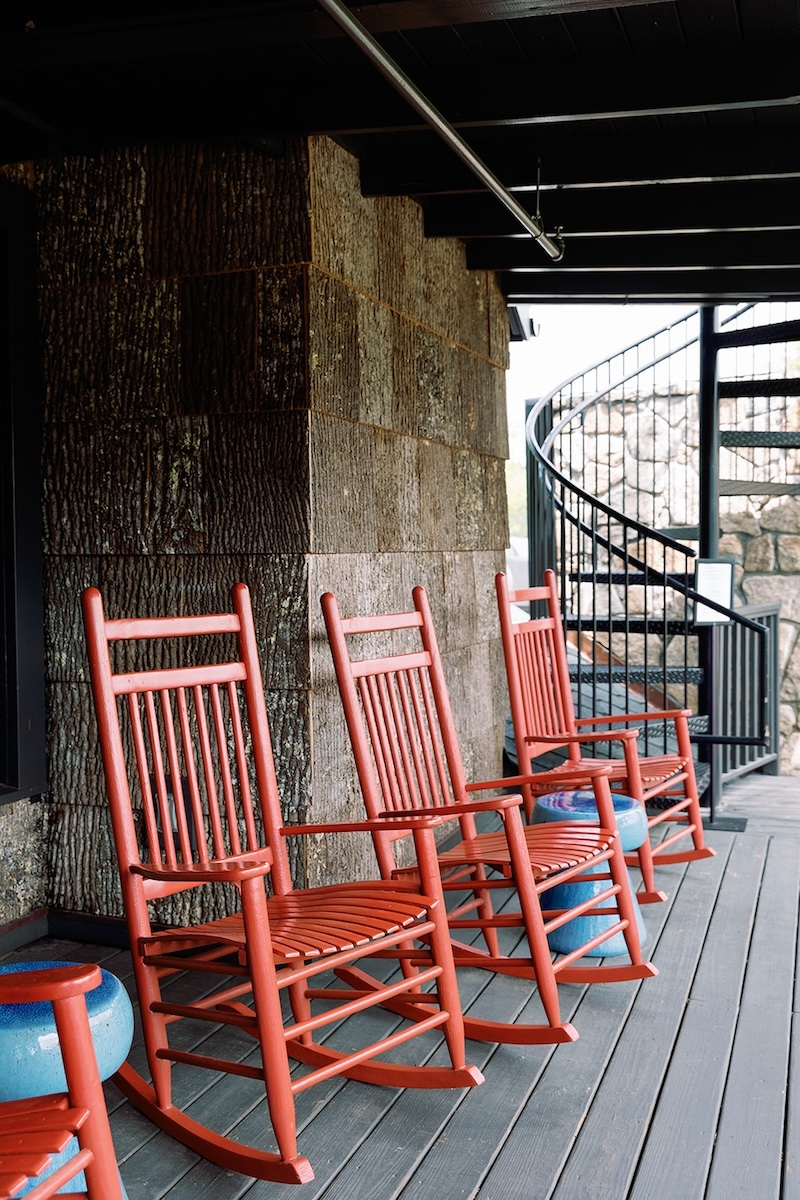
{"points": [[219, 338], [344, 489], [173, 585], [398, 515], [380, 401], [111, 352], [91, 213], [455, 609], [334, 346], [144, 213], [401, 254], [499, 336], [482, 519], [378, 246], [495, 506], [232, 343], [478, 720], [76, 770], [257, 490], [282, 351], [486, 386], [484, 565], [435, 384], [470, 501], [345, 235], [133, 489], [445, 271], [85, 876], [178, 486], [437, 490]]}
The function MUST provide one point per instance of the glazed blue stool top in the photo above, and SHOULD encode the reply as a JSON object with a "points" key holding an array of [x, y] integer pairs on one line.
{"points": [[581, 806], [632, 825], [30, 1056]]}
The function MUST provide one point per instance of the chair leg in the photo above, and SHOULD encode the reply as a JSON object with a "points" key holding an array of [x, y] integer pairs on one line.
{"points": [[643, 859], [556, 1030], [86, 1091], [638, 968], [447, 985], [154, 1031], [485, 902], [269, 1021]]}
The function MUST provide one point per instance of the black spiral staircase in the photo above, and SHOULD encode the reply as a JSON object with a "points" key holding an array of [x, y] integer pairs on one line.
{"points": [[637, 469]]}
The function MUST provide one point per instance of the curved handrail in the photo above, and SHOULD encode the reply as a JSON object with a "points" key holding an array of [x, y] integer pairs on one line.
{"points": [[606, 534]]}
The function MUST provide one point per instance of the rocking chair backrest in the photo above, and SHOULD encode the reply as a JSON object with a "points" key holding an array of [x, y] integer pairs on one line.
{"points": [[398, 715], [204, 773], [537, 668]]}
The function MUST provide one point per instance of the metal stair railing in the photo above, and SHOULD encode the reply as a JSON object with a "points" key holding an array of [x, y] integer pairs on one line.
{"points": [[627, 589]]}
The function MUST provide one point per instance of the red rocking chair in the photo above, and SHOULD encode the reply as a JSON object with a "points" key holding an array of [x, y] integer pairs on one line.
{"points": [[408, 760], [190, 773], [35, 1130], [543, 716]]}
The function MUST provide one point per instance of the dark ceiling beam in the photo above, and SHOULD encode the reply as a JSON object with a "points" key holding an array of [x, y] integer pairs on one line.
{"points": [[644, 253], [730, 286], [408, 168], [345, 101], [648, 209], [624, 87], [48, 40]]}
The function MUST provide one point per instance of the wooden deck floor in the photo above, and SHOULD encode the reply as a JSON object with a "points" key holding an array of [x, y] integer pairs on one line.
{"points": [[680, 1088]]}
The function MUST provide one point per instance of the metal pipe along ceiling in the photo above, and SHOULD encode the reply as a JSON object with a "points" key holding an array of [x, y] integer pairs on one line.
{"points": [[554, 247]]}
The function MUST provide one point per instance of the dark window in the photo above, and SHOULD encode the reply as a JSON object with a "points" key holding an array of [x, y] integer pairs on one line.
{"points": [[22, 727]]}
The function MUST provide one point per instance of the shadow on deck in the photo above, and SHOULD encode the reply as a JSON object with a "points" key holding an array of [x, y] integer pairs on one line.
{"points": [[680, 1088]]}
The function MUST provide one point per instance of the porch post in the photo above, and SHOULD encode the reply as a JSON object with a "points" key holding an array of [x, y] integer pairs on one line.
{"points": [[709, 529]]}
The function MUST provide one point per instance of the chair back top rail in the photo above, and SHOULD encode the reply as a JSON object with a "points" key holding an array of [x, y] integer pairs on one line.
{"points": [[204, 778]]}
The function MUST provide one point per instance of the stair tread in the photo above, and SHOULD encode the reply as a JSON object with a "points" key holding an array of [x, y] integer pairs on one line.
{"points": [[741, 487], [629, 577], [750, 388], [777, 439], [637, 674], [606, 624]]}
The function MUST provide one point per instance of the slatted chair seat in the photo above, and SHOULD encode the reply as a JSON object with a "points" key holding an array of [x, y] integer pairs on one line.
{"points": [[306, 926], [543, 717], [408, 760], [201, 719], [37, 1129]]}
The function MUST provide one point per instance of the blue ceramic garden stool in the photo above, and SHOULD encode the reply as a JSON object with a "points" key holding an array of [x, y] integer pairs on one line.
{"points": [[632, 825], [30, 1057]]}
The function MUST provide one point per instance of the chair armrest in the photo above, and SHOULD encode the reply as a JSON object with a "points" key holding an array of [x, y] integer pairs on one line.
{"points": [[538, 778], [377, 825], [602, 735], [230, 870], [672, 714]]}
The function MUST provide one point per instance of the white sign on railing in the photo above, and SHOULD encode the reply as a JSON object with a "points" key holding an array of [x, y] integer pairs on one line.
{"points": [[714, 580]]}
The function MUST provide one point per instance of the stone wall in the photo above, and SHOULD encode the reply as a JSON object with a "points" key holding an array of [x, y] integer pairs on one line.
{"points": [[252, 372], [764, 542], [651, 472]]}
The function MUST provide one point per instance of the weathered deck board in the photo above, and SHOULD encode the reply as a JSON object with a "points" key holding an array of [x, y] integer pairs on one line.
{"points": [[680, 1088], [749, 1144], [606, 1153], [688, 1104]]}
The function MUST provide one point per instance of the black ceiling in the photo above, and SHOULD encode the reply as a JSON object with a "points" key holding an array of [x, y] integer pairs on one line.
{"points": [[666, 134]]}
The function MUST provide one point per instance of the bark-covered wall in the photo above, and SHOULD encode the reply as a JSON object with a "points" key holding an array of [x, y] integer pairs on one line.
{"points": [[254, 373], [408, 447]]}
